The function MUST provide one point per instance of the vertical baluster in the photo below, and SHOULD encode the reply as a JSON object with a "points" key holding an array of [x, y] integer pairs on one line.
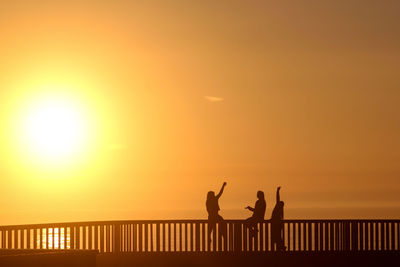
{"points": [[392, 247], [304, 236], [382, 225], [203, 236], [398, 235], [387, 236], [21, 241], [186, 237], [295, 236], [267, 236], [130, 233], [225, 238], [96, 237], [108, 238], [102, 238], [158, 236], [237, 237], [309, 238], [40, 239], [366, 236], [326, 236], [169, 237], [126, 237], [371, 235], [331, 236], [58, 238], [361, 235], [180, 237], [151, 238], [346, 235], [15, 245], [28, 238], [52, 238], [146, 235], [65, 237], [90, 237], [140, 237], [175, 240], [338, 235], [164, 236], [192, 237], [78, 237], [261, 231], [72, 237], [228, 238], [299, 236], [354, 240], [84, 237], [321, 236], [9, 239], [197, 236], [134, 238], [316, 236], [3, 239], [245, 236], [377, 231], [288, 235]]}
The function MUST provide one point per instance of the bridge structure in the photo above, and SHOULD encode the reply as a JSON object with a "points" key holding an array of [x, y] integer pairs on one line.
{"points": [[192, 236], [190, 239]]}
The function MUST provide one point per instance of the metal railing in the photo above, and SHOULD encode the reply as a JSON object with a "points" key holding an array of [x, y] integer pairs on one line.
{"points": [[193, 236]]}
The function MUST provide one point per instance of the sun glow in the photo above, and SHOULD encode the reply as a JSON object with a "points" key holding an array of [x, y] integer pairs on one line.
{"points": [[54, 130]]}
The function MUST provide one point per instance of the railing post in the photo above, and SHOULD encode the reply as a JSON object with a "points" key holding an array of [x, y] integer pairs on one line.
{"points": [[197, 237], [117, 238], [237, 236]]}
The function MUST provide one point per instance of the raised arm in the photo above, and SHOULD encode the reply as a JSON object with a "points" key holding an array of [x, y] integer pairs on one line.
{"points": [[221, 191], [278, 198]]}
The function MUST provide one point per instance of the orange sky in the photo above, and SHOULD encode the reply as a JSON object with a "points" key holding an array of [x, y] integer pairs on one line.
{"points": [[185, 95]]}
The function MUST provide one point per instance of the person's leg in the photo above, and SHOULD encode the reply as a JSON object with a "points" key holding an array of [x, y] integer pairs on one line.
{"points": [[222, 226], [281, 241], [274, 237], [211, 229]]}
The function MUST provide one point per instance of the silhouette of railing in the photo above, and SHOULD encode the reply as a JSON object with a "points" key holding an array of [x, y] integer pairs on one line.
{"points": [[192, 236]]}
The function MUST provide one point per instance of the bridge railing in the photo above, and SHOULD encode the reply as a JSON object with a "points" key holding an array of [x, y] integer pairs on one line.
{"points": [[193, 236]]}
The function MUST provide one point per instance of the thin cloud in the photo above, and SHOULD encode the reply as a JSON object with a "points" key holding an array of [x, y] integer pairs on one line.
{"points": [[213, 98]]}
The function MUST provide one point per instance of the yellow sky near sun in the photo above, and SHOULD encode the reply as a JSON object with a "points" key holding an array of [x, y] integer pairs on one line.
{"points": [[179, 96]]}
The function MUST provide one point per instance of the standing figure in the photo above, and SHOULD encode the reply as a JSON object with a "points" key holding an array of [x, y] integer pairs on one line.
{"points": [[213, 216], [258, 213], [277, 223]]}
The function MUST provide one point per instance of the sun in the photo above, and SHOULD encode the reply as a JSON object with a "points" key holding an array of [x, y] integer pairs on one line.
{"points": [[54, 130]]}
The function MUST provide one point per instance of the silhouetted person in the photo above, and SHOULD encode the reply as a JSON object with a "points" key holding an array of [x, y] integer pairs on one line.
{"points": [[213, 216], [277, 223], [258, 212]]}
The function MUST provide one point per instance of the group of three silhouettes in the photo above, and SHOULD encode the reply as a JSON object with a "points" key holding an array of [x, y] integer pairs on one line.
{"points": [[257, 217]]}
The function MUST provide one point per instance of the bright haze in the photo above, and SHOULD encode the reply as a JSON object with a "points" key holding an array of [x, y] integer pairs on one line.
{"points": [[136, 109]]}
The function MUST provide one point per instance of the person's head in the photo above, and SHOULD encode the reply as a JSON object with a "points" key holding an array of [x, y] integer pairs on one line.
{"points": [[260, 195], [210, 195]]}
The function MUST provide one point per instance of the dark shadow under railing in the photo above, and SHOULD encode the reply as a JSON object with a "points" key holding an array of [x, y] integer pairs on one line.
{"points": [[192, 236]]}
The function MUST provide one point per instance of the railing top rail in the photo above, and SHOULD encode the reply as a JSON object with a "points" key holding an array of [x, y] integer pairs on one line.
{"points": [[87, 223]]}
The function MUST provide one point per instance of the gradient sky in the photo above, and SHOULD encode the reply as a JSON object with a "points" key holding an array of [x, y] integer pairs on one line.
{"points": [[188, 94]]}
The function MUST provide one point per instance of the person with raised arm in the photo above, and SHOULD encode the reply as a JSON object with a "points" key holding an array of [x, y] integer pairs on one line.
{"points": [[277, 223], [213, 216]]}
